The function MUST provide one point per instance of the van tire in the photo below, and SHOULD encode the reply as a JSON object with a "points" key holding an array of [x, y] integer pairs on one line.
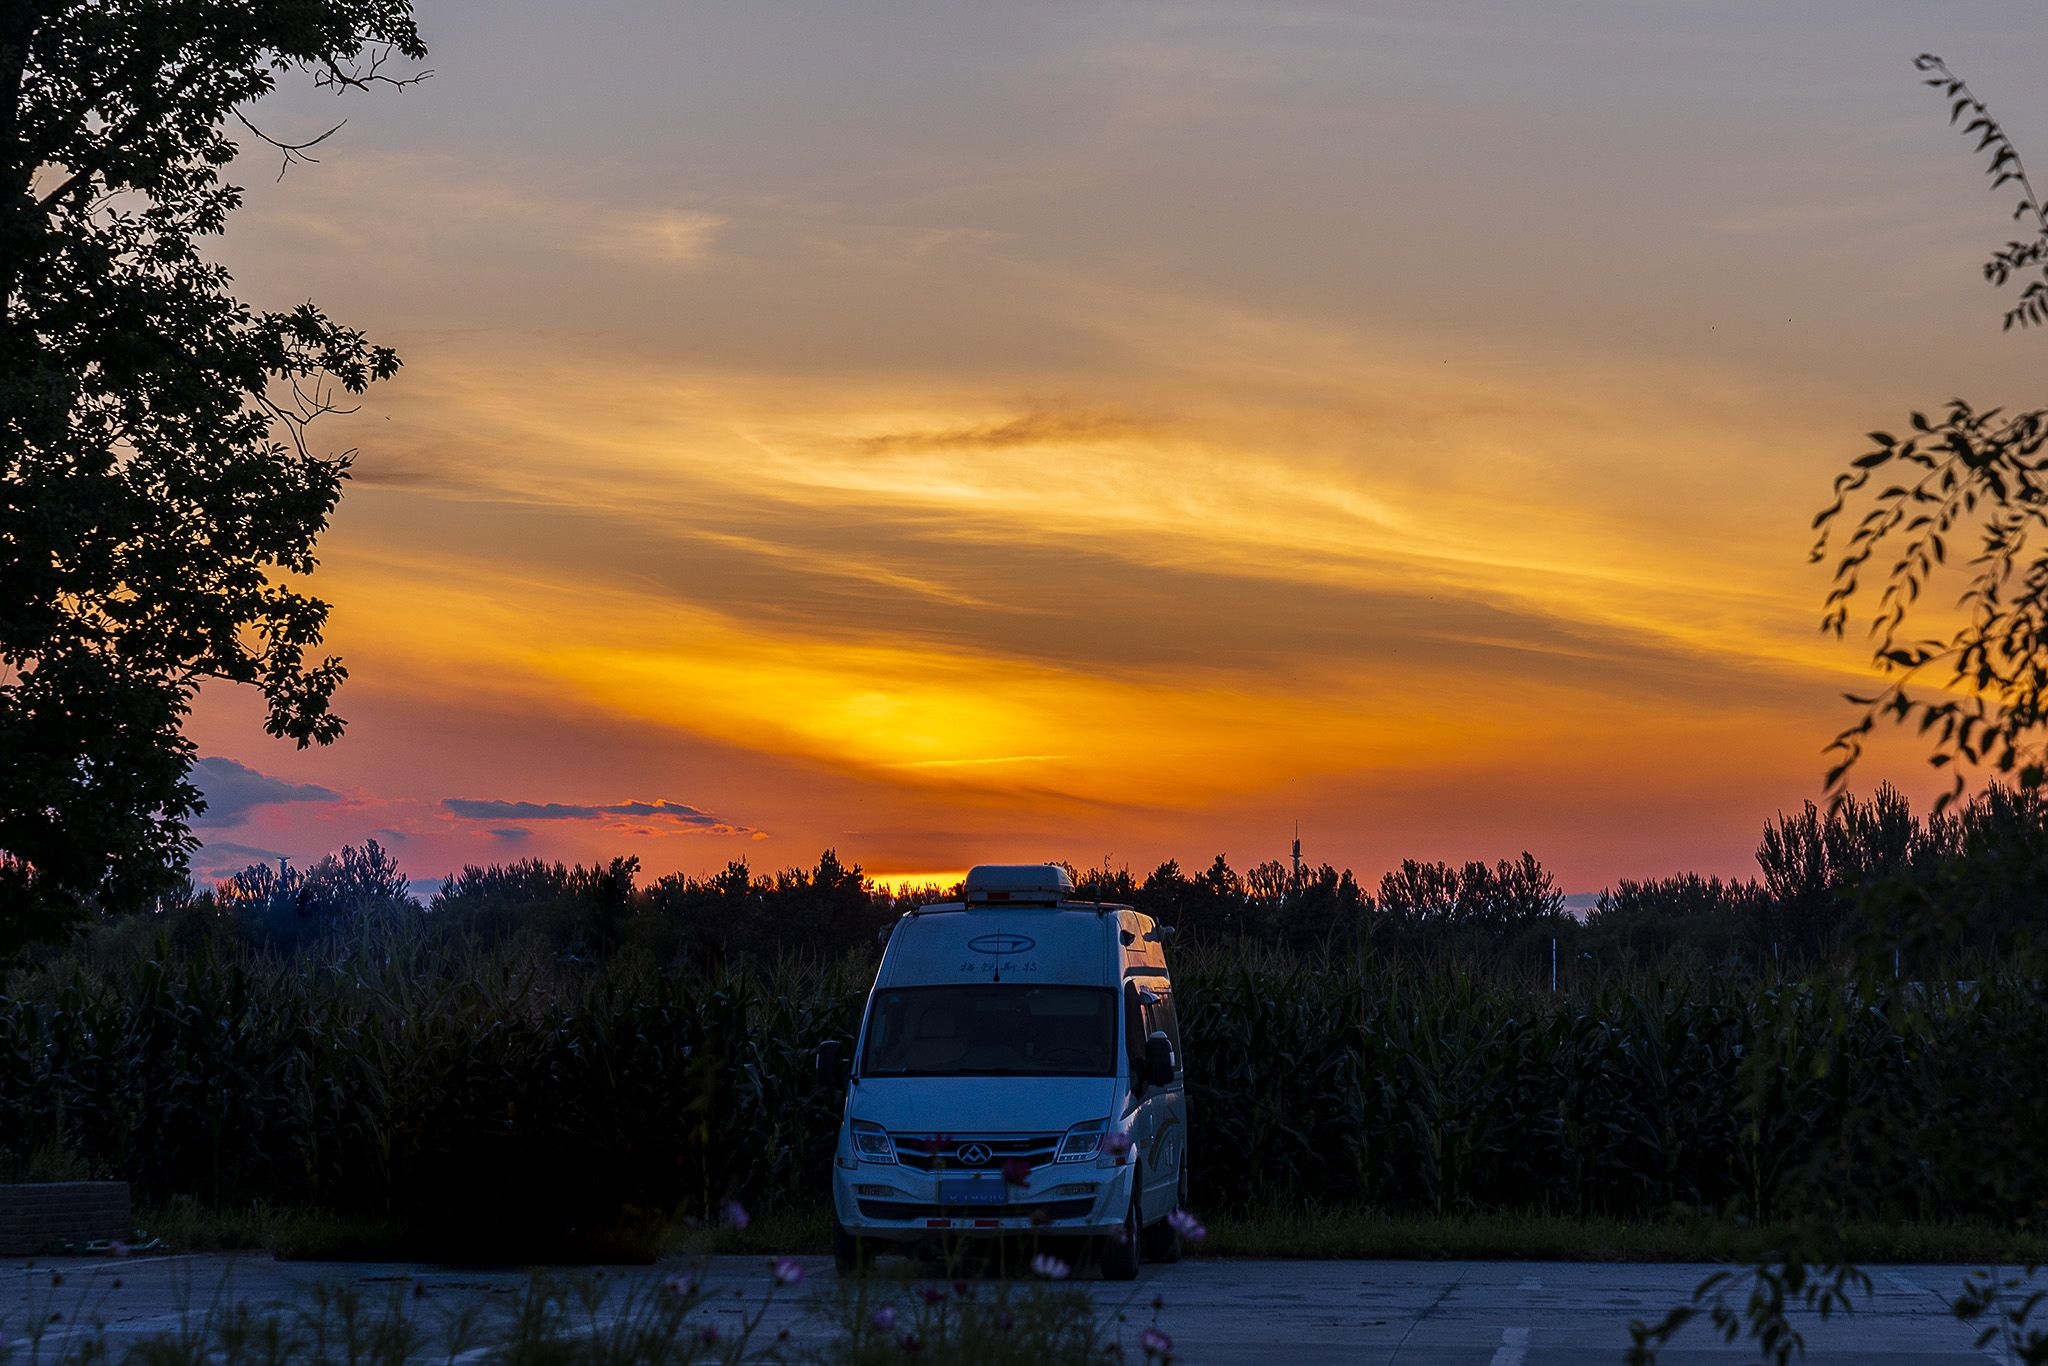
{"points": [[1161, 1242], [850, 1255], [1120, 1259]]}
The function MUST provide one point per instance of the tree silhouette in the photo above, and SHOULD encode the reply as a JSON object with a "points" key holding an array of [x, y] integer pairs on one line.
{"points": [[156, 482]]}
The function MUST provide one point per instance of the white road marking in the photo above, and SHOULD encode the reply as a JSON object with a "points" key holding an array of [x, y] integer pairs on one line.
{"points": [[1513, 1349], [1530, 1283], [1902, 1283]]}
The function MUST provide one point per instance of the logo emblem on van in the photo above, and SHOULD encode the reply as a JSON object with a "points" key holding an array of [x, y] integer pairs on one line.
{"points": [[1001, 943], [973, 1154]]}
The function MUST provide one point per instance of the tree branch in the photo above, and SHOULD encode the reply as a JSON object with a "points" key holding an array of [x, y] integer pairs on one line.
{"points": [[293, 151]]}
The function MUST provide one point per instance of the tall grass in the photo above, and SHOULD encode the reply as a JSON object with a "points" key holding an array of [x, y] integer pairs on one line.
{"points": [[505, 1093], [524, 1100], [1438, 1093]]}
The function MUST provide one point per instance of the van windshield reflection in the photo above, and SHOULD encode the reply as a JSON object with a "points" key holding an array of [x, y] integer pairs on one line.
{"points": [[980, 1030]]}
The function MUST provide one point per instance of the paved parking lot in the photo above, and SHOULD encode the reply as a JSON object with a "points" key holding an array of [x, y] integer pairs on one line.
{"points": [[1265, 1312]]}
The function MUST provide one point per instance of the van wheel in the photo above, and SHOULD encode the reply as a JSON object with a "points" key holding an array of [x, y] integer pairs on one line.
{"points": [[1120, 1256], [850, 1255], [1162, 1244]]}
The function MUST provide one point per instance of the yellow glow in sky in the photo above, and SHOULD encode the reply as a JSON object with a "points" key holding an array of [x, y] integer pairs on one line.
{"points": [[972, 433]]}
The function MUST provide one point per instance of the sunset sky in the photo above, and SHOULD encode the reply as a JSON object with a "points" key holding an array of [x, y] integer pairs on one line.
{"points": [[957, 432]]}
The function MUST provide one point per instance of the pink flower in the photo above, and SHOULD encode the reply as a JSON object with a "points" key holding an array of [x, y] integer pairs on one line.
{"points": [[884, 1319], [963, 1290], [912, 1344], [1187, 1226], [736, 1214], [1017, 1172], [1049, 1266], [1117, 1146], [1155, 1343], [709, 1337], [682, 1287], [785, 1270], [931, 1294], [118, 1249]]}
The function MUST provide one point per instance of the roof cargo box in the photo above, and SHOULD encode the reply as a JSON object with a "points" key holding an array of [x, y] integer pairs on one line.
{"points": [[1015, 884]]}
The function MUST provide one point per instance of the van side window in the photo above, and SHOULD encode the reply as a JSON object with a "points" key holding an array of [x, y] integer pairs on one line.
{"points": [[1135, 1031], [1161, 1019]]}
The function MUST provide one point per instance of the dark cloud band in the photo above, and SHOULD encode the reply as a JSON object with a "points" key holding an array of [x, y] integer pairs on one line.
{"points": [[232, 790], [679, 813]]}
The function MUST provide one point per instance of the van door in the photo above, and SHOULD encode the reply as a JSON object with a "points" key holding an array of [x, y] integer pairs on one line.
{"points": [[1159, 1130]]}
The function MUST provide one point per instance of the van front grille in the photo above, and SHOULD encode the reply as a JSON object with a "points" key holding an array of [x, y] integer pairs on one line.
{"points": [[955, 1152]]}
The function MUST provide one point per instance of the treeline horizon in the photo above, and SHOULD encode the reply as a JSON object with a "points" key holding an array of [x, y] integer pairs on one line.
{"points": [[1828, 878]]}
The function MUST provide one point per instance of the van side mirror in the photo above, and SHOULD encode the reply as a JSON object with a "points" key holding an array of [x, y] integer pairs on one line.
{"points": [[1158, 1061], [831, 1063]]}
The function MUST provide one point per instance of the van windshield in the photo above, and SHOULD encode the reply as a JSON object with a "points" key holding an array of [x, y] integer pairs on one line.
{"points": [[979, 1030]]}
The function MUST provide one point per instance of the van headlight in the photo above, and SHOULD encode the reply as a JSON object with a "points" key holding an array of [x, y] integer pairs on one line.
{"points": [[871, 1142], [1079, 1143]]}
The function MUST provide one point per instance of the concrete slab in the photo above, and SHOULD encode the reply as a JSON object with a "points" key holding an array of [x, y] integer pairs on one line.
{"points": [[1222, 1312]]}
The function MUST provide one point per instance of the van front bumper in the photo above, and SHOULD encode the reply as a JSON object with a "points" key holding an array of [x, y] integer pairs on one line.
{"points": [[896, 1204]]}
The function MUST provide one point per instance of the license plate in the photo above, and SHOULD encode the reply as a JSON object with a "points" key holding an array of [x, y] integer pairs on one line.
{"points": [[978, 1190]]}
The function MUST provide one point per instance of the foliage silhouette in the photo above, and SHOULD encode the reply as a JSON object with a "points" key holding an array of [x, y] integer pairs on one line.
{"points": [[1964, 474], [1961, 475], [157, 489], [1835, 881]]}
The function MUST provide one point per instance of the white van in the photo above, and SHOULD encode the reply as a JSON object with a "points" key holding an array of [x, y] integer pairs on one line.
{"points": [[1018, 1071]]}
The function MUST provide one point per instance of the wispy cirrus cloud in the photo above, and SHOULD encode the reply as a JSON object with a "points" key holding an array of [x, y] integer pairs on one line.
{"points": [[1040, 428], [503, 210]]}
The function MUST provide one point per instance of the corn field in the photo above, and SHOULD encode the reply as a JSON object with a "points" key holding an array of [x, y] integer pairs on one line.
{"points": [[504, 1089]]}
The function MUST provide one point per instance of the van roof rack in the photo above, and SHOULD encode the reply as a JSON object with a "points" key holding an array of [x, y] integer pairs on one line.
{"points": [[1018, 884]]}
